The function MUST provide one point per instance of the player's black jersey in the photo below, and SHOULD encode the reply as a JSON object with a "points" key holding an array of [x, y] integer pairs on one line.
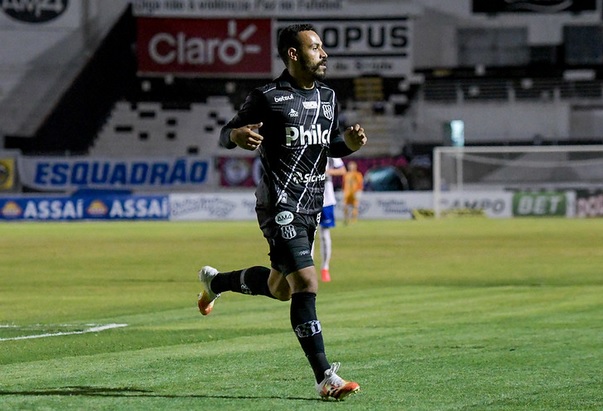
{"points": [[300, 129]]}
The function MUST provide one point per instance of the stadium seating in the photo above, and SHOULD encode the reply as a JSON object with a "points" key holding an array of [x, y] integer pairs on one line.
{"points": [[178, 129], [156, 129]]}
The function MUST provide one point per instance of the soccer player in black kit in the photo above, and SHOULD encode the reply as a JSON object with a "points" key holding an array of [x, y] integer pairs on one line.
{"points": [[293, 123]]}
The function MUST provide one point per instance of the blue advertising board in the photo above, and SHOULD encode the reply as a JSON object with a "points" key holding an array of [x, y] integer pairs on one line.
{"points": [[87, 207], [59, 174]]}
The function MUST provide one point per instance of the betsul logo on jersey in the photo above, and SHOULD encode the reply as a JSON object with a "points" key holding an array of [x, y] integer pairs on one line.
{"points": [[211, 46], [34, 11], [315, 135]]}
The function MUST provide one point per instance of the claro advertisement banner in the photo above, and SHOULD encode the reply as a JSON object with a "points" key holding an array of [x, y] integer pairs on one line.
{"points": [[205, 47], [60, 174]]}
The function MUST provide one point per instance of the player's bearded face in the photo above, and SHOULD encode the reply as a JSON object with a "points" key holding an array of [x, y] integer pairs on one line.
{"points": [[317, 68]]}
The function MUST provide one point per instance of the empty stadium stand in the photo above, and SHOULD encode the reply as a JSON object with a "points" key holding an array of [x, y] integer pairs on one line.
{"points": [[163, 129], [177, 129]]}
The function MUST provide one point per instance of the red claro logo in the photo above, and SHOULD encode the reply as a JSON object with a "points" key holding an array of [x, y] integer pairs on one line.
{"points": [[169, 48], [34, 11]]}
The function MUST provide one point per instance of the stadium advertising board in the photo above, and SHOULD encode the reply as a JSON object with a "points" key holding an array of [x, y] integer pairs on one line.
{"points": [[246, 171], [213, 206], [210, 38], [495, 204], [71, 173], [49, 14], [207, 47], [273, 8], [533, 6], [358, 46], [90, 207], [541, 204], [241, 205], [387, 205], [589, 203]]}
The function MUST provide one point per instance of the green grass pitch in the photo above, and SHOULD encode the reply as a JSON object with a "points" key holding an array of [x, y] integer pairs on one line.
{"points": [[453, 314]]}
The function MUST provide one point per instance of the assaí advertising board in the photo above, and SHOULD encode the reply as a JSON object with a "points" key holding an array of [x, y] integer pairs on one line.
{"points": [[89, 207]]}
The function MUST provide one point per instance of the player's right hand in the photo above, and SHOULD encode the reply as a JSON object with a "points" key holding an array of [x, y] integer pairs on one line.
{"points": [[246, 137]]}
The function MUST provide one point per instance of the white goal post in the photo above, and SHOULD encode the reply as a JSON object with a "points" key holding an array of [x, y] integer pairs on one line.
{"points": [[513, 168]]}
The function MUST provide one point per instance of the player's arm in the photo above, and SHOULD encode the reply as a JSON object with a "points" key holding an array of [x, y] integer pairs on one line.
{"points": [[242, 130], [343, 144]]}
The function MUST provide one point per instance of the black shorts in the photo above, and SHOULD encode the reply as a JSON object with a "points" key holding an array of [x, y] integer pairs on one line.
{"points": [[290, 237]]}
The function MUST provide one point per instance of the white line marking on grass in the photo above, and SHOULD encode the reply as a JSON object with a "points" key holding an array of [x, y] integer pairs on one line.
{"points": [[92, 329]]}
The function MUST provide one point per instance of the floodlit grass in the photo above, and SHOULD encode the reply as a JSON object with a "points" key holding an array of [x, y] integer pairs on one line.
{"points": [[465, 314]]}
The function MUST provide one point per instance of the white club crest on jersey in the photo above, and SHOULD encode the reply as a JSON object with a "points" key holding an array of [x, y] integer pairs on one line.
{"points": [[288, 232], [327, 110]]}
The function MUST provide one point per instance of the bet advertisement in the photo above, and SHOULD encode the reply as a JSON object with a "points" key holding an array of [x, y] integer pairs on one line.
{"points": [[543, 204]]}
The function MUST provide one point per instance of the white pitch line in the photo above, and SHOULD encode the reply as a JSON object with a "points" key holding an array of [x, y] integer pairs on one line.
{"points": [[93, 329]]}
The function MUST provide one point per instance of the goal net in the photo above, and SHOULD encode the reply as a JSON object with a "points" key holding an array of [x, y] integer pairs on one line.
{"points": [[515, 168]]}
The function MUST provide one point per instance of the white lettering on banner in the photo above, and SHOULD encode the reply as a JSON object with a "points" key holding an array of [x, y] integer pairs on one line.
{"points": [[54, 210], [394, 207], [166, 48], [204, 46], [51, 173], [191, 205], [140, 208], [374, 37], [540, 205]]}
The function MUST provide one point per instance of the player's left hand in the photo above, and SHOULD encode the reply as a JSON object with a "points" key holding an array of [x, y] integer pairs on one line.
{"points": [[354, 137]]}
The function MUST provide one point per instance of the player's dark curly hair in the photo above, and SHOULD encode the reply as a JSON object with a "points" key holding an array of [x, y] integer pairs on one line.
{"points": [[288, 38]]}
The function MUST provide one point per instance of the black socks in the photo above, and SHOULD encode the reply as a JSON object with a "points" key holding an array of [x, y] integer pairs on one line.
{"points": [[252, 280], [305, 324], [309, 332]]}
